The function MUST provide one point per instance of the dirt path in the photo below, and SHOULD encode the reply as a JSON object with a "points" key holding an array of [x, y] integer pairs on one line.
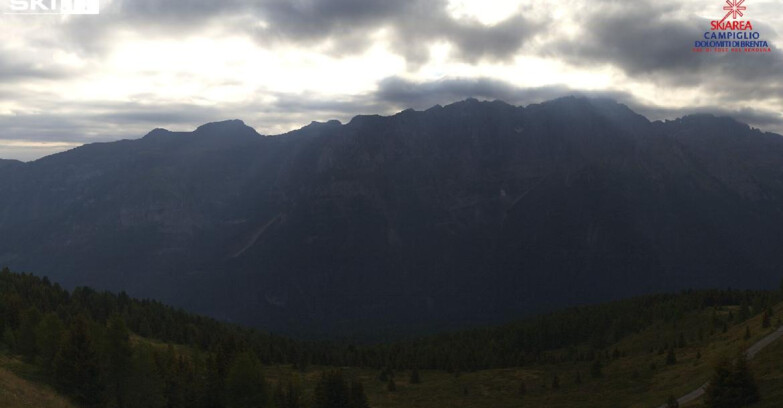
{"points": [[749, 353]]}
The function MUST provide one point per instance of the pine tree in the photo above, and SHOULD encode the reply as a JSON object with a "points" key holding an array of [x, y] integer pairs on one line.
{"points": [[767, 320], [671, 358], [596, 369], [144, 385], [358, 398], [26, 344], [415, 378], [331, 391], [732, 385], [77, 366], [384, 375], [747, 333], [391, 386], [216, 369], [522, 391], [288, 395], [117, 360], [744, 313], [245, 384], [48, 336]]}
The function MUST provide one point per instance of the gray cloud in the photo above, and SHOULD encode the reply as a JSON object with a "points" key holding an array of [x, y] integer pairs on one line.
{"points": [[15, 66], [101, 121], [347, 25], [647, 40], [654, 40], [641, 37], [415, 24], [114, 121], [420, 95]]}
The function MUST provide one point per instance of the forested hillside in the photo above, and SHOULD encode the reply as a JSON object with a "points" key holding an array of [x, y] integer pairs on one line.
{"points": [[103, 349]]}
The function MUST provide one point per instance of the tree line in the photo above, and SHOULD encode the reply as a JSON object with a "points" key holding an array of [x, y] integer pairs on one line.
{"points": [[85, 340], [84, 344]]}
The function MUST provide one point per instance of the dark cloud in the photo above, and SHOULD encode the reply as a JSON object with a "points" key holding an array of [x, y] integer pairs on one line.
{"points": [[650, 41], [91, 122], [156, 115], [759, 118], [346, 26], [653, 40], [414, 25], [15, 67], [404, 93], [642, 37], [112, 121]]}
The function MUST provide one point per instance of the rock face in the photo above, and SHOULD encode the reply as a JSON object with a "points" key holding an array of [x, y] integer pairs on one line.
{"points": [[468, 214]]}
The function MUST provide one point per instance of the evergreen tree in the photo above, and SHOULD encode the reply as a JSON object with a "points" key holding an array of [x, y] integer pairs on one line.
{"points": [[331, 391], [747, 333], [245, 385], [145, 386], [288, 395], [671, 358], [216, 369], [9, 339], [732, 385], [117, 360], [744, 312], [596, 370], [26, 344], [77, 365], [48, 336], [522, 391], [391, 386], [384, 375], [415, 378], [555, 382], [767, 319], [358, 398]]}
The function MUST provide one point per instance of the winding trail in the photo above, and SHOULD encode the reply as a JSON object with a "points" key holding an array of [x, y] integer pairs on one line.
{"points": [[749, 354]]}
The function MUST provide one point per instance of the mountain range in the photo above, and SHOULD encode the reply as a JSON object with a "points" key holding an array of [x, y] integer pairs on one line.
{"points": [[461, 215]]}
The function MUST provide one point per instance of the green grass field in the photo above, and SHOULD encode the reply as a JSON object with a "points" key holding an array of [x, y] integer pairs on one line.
{"points": [[21, 388]]}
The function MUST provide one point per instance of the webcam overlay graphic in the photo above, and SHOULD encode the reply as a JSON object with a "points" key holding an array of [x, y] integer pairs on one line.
{"points": [[52, 7], [732, 33]]}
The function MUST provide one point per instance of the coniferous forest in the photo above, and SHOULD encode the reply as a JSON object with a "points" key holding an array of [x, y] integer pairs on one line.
{"points": [[110, 350]]}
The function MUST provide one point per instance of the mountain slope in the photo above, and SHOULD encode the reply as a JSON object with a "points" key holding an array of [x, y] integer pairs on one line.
{"points": [[471, 213], [631, 353]]}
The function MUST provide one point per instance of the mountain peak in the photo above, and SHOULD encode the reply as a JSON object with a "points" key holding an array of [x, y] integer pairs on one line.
{"points": [[157, 132], [232, 126], [6, 162]]}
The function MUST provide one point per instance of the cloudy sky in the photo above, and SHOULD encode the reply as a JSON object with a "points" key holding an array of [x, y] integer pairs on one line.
{"points": [[280, 64]]}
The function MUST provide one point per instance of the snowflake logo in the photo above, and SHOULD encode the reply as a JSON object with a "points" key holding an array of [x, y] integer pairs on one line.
{"points": [[735, 8]]}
